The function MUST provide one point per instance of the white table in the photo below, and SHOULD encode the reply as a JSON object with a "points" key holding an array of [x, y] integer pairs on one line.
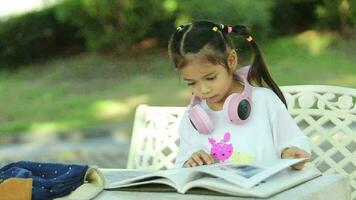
{"points": [[324, 187]]}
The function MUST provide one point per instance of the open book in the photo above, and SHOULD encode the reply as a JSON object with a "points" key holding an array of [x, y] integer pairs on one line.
{"points": [[258, 179]]}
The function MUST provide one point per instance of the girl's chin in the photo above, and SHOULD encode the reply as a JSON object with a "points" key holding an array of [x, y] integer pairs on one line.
{"points": [[214, 99]]}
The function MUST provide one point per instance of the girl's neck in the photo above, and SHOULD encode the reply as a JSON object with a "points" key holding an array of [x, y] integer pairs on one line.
{"points": [[236, 87]]}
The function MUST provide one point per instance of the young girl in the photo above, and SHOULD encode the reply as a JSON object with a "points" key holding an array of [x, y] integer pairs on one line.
{"points": [[228, 120]]}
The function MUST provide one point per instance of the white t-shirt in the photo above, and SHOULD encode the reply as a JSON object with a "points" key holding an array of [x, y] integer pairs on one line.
{"points": [[268, 130]]}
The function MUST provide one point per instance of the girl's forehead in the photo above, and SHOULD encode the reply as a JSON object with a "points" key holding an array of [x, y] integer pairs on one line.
{"points": [[197, 69]]}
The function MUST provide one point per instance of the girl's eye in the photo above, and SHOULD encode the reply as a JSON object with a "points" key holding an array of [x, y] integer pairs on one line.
{"points": [[190, 84], [211, 78]]}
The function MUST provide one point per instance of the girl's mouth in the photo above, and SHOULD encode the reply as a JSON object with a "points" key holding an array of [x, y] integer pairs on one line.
{"points": [[211, 98]]}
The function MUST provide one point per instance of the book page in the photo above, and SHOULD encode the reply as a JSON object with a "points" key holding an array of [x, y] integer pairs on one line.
{"points": [[247, 175], [281, 181], [177, 177], [120, 175], [284, 180], [154, 185]]}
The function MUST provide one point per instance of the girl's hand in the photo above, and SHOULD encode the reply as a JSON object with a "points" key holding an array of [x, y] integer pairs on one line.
{"points": [[295, 152], [199, 158]]}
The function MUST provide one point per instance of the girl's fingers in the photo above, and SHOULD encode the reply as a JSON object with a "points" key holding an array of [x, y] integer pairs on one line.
{"points": [[298, 166], [197, 159], [189, 163], [288, 153], [207, 158], [186, 164], [295, 152], [302, 154]]}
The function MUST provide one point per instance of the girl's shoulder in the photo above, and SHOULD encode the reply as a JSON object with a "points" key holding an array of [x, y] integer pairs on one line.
{"points": [[265, 95], [263, 92]]}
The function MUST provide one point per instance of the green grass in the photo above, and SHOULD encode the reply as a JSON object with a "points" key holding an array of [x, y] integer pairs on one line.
{"points": [[312, 59], [93, 90], [85, 91]]}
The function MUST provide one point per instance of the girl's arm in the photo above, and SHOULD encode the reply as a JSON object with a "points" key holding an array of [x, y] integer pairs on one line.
{"points": [[185, 141], [289, 140]]}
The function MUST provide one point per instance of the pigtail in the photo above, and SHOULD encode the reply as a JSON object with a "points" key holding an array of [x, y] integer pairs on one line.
{"points": [[258, 71], [175, 44]]}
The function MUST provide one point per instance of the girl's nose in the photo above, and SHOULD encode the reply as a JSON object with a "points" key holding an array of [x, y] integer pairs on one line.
{"points": [[204, 89]]}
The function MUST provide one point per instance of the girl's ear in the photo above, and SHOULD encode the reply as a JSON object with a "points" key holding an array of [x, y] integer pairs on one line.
{"points": [[232, 60]]}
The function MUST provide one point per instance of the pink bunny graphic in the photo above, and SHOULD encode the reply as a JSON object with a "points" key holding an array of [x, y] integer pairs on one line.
{"points": [[221, 150]]}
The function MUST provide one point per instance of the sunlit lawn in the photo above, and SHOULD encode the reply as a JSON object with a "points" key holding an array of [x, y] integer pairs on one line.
{"points": [[92, 90]]}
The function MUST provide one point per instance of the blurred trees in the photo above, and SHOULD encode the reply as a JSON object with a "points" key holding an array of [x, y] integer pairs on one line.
{"points": [[106, 24], [338, 15], [94, 25], [298, 15]]}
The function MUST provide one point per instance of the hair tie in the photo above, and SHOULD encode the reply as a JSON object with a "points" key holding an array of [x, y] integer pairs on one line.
{"points": [[229, 29], [249, 38], [215, 28]]}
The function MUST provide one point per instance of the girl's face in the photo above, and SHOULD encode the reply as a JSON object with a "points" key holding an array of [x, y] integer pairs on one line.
{"points": [[208, 81]]}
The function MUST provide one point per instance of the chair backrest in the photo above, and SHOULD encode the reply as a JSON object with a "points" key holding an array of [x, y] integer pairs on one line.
{"points": [[326, 114], [154, 141]]}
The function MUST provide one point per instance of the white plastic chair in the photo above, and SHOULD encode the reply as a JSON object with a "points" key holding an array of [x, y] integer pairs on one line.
{"points": [[326, 114]]}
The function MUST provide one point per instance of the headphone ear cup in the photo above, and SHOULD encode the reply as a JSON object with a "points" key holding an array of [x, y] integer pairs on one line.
{"points": [[200, 120], [230, 107], [236, 108]]}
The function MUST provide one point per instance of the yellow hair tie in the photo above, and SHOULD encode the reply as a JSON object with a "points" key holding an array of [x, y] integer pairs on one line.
{"points": [[249, 38], [215, 28]]}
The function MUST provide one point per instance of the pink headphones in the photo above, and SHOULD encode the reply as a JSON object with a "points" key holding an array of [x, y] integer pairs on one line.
{"points": [[236, 109]]}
